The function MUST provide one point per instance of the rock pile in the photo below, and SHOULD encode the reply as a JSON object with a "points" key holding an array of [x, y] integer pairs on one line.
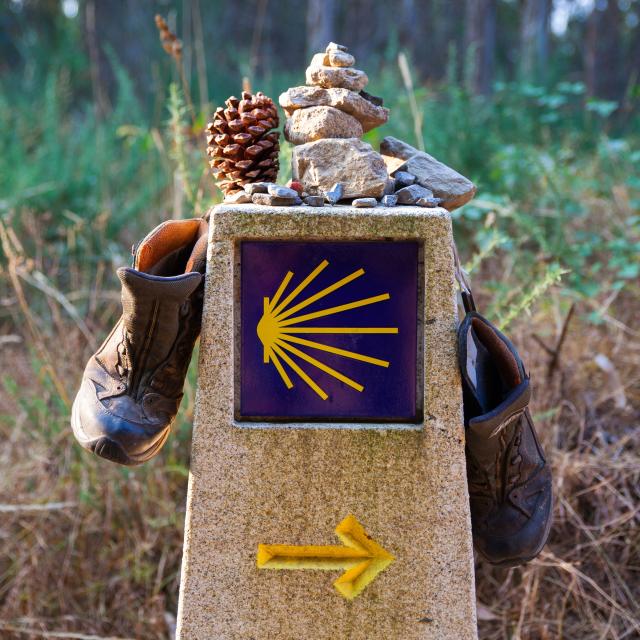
{"points": [[326, 119], [331, 164], [413, 168]]}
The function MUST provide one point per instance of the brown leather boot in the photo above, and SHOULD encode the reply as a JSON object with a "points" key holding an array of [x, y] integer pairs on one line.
{"points": [[509, 478], [132, 386]]}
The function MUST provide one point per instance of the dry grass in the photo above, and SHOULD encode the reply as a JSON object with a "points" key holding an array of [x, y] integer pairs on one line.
{"points": [[91, 550]]}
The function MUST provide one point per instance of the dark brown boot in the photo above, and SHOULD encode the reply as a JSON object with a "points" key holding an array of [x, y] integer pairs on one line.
{"points": [[132, 386], [509, 478]]}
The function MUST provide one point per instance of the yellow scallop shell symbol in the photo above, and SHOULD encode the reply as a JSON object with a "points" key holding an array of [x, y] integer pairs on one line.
{"points": [[279, 329]]}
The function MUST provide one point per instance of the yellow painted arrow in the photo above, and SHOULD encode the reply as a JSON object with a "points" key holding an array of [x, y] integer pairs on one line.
{"points": [[363, 558]]}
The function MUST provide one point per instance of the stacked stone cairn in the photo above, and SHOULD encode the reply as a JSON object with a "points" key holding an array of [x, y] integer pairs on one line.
{"points": [[325, 120], [330, 163]]}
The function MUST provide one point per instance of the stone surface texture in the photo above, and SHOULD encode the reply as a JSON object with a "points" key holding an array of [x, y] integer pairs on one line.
{"points": [[368, 114], [238, 197], [352, 162], [334, 46], [293, 484], [393, 164], [453, 188], [412, 193], [343, 77], [315, 123], [397, 148], [340, 59], [361, 203], [270, 200], [314, 201]]}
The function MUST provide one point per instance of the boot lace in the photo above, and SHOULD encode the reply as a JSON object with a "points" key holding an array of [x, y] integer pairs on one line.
{"points": [[515, 461], [123, 365]]}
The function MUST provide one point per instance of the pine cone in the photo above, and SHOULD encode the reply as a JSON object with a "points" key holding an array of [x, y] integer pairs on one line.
{"points": [[240, 144]]}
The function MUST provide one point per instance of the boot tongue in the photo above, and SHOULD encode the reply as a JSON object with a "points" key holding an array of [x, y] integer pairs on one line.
{"points": [[151, 302], [152, 315]]}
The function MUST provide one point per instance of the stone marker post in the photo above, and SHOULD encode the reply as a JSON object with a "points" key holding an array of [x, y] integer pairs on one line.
{"points": [[327, 497]]}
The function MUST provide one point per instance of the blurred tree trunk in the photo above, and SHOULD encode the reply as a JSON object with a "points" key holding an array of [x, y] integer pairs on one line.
{"points": [[480, 44], [408, 27], [320, 24], [603, 53], [534, 38], [122, 33], [101, 79]]}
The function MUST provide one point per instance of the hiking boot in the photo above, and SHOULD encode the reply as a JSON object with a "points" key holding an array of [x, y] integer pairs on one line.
{"points": [[509, 478], [132, 386]]}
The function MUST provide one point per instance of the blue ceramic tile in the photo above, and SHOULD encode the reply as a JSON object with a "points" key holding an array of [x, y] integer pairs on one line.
{"points": [[328, 330]]}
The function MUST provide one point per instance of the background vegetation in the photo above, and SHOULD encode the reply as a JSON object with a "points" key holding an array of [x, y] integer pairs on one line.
{"points": [[101, 139]]}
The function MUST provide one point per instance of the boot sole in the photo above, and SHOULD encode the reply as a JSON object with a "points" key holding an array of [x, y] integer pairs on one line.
{"points": [[111, 450]]}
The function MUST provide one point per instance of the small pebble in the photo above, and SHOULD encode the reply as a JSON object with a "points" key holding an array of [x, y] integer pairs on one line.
{"points": [[428, 202], [340, 59], [404, 178], [314, 201], [364, 202], [335, 193], [334, 46], [257, 187], [389, 186], [281, 192], [390, 200], [274, 201], [298, 187], [412, 193], [237, 197]]}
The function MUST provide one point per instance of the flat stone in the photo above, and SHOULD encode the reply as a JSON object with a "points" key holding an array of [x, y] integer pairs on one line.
{"points": [[428, 202], [282, 192], [340, 59], [412, 193], [315, 123], [257, 187], [314, 201], [275, 201], [293, 483], [334, 46], [396, 148], [368, 114], [237, 197], [352, 162], [390, 200], [335, 193], [453, 188], [364, 202], [336, 77], [404, 178]]}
